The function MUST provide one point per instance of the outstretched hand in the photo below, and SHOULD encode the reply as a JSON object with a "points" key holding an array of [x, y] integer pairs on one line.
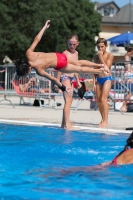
{"points": [[47, 24], [104, 69], [101, 70]]}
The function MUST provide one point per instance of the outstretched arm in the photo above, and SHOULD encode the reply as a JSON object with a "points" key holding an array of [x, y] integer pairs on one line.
{"points": [[39, 36], [59, 75]]}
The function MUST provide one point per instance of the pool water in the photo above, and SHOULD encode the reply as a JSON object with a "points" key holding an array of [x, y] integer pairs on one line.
{"points": [[49, 163]]}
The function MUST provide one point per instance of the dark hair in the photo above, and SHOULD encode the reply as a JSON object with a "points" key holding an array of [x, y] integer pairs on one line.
{"points": [[73, 35], [129, 49], [129, 143], [101, 40], [22, 67]]}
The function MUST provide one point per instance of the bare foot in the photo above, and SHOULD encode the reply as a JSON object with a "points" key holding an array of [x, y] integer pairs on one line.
{"points": [[100, 122], [71, 127], [76, 128], [123, 109], [103, 125], [63, 125]]}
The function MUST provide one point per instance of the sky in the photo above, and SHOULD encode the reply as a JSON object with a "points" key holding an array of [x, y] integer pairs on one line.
{"points": [[119, 3]]}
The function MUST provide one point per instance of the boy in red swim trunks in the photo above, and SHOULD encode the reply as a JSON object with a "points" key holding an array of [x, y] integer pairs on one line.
{"points": [[41, 61]]}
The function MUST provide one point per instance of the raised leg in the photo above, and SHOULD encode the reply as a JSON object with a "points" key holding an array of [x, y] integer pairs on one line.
{"points": [[86, 63], [70, 68]]}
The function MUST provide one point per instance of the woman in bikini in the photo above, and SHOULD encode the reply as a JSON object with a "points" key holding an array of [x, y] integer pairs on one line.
{"points": [[125, 157]]}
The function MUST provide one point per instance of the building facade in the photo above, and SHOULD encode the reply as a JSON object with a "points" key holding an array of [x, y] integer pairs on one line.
{"points": [[115, 21]]}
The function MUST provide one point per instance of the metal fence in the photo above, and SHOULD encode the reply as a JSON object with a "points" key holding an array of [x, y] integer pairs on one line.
{"points": [[122, 82], [10, 84]]}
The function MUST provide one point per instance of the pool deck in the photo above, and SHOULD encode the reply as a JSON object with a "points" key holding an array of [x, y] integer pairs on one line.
{"points": [[83, 117]]}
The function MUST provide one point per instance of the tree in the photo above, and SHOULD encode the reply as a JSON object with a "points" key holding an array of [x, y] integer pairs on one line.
{"points": [[21, 20]]}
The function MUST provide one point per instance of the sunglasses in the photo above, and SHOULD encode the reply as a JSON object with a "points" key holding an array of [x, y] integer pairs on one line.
{"points": [[71, 44]]}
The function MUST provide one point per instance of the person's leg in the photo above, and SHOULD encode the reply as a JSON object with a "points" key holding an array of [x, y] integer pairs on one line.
{"points": [[66, 110], [84, 63], [104, 102], [98, 95], [70, 68], [124, 105], [128, 65]]}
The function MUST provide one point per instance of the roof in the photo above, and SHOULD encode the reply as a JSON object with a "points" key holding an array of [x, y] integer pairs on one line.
{"points": [[100, 5], [124, 15]]}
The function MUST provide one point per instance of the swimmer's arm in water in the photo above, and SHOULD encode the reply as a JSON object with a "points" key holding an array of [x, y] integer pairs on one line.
{"points": [[88, 169], [38, 37], [106, 164], [41, 72]]}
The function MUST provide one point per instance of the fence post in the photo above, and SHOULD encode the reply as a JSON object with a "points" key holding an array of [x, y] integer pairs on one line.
{"points": [[121, 81], [5, 92]]}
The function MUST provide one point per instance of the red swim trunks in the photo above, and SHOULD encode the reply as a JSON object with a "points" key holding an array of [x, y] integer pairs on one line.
{"points": [[61, 61]]}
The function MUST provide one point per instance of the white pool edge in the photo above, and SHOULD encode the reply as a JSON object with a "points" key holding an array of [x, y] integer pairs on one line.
{"points": [[58, 125]]}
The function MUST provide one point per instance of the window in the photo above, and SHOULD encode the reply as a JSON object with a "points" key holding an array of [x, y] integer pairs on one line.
{"points": [[108, 11]]}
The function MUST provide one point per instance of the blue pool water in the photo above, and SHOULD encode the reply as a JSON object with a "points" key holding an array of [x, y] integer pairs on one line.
{"points": [[48, 163]]}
